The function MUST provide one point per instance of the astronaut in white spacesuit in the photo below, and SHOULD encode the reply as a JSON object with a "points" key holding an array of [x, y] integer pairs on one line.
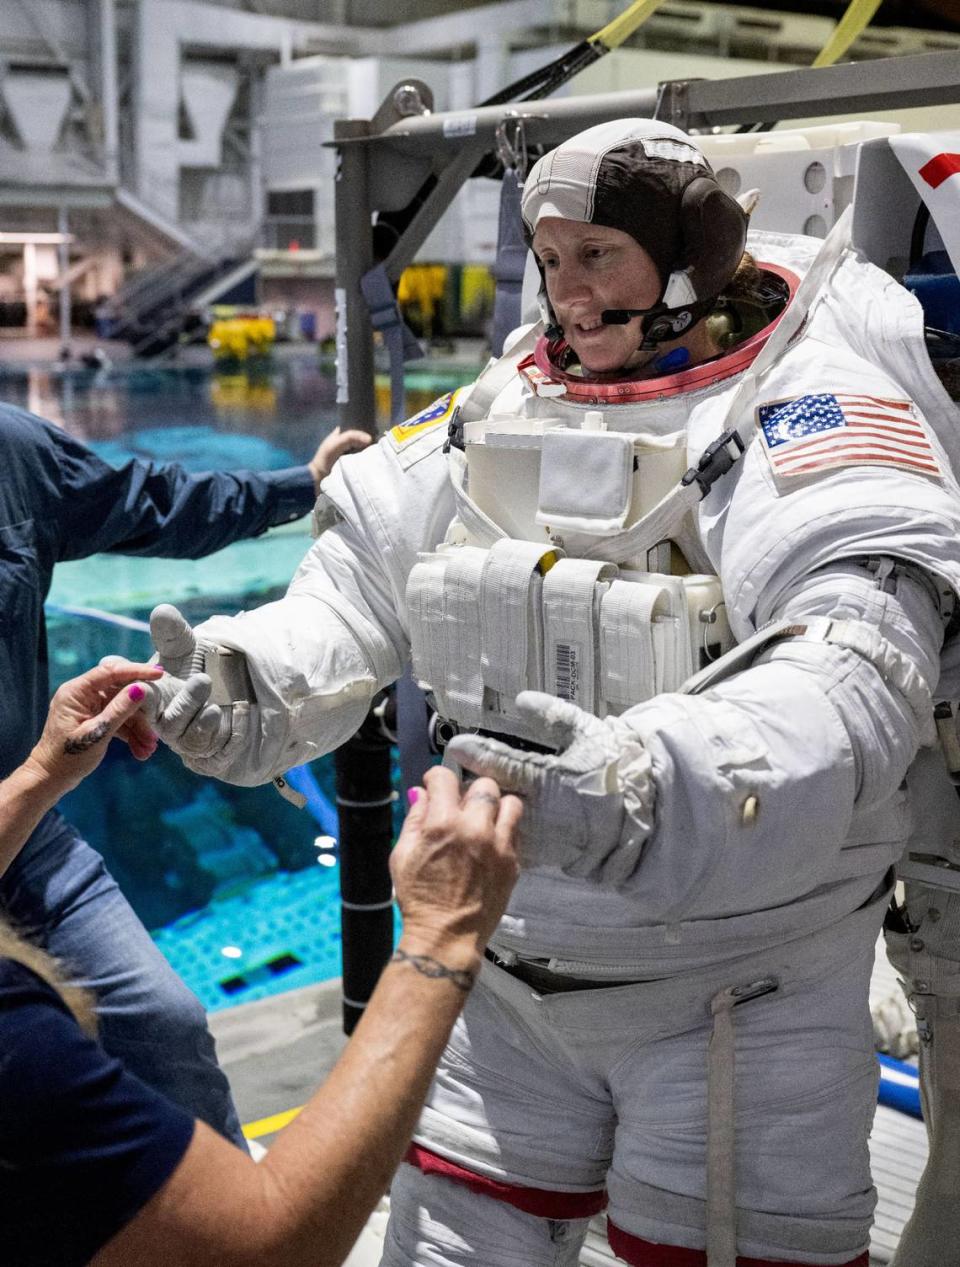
{"points": [[678, 567]]}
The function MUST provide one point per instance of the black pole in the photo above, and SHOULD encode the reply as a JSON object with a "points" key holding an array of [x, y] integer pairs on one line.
{"points": [[365, 808]]}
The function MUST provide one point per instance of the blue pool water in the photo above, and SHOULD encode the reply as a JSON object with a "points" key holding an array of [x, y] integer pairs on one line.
{"points": [[239, 888]]}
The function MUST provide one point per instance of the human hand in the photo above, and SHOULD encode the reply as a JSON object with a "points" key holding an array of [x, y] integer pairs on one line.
{"points": [[588, 807], [332, 448], [85, 714], [454, 866]]}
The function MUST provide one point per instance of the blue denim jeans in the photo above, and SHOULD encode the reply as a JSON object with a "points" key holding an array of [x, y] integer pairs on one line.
{"points": [[59, 893]]}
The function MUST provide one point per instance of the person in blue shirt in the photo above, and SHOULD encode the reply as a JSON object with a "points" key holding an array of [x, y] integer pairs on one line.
{"points": [[97, 1167], [59, 501]]}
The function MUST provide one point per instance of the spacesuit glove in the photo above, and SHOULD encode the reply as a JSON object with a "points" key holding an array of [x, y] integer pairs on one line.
{"points": [[178, 706], [182, 715], [178, 648], [588, 807]]}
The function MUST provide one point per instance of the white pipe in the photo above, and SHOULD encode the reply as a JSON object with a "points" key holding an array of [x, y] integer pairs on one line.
{"points": [[30, 285], [108, 88], [63, 254], [34, 239]]}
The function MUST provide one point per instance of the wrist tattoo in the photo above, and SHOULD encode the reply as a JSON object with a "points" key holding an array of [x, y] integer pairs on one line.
{"points": [[73, 746], [462, 978]]}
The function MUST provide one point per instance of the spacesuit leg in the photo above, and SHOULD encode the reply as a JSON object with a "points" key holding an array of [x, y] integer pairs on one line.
{"points": [[435, 1222], [927, 955], [512, 1148]]}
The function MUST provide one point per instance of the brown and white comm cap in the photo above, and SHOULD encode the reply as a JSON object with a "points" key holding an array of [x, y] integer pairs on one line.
{"points": [[648, 179]]}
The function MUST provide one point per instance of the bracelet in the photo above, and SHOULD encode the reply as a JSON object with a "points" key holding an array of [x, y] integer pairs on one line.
{"points": [[462, 978]]}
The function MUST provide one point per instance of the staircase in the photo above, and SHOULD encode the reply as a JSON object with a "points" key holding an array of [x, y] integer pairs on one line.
{"points": [[154, 310]]}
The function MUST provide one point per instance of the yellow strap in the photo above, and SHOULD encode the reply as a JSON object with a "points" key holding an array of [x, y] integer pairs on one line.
{"points": [[857, 17], [270, 1125], [614, 33]]}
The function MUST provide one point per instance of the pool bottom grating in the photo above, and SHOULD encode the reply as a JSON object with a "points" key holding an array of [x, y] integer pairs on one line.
{"points": [[278, 934]]}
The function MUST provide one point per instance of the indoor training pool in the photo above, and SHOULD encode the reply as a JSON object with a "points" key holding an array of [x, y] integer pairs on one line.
{"points": [[239, 888]]}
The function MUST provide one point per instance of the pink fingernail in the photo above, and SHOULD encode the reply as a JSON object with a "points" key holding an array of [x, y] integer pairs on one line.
{"points": [[136, 692], [413, 795]]}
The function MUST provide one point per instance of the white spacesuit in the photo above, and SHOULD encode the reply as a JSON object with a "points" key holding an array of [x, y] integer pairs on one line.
{"points": [[672, 1021]]}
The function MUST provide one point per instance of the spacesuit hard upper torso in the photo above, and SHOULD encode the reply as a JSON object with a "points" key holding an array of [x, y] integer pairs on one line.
{"points": [[786, 826]]}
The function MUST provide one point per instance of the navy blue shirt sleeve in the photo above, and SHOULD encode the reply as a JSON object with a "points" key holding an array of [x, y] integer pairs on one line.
{"points": [[58, 501], [83, 1144], [159, 508]]}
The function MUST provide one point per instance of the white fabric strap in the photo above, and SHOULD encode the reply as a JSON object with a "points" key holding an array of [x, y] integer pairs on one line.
{"points": [[497, 374], [659, 524], [443, 600], [671, 639], [892, 665], [424, 599], [571, 606], [854, 635], [463, 685], [480, 526], [627, 657], [741, 656], [663, 521], [511, 623], [811, 289]]}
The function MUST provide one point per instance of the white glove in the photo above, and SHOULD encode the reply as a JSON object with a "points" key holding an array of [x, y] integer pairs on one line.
{"points": [[589, 808], [178, 705]]}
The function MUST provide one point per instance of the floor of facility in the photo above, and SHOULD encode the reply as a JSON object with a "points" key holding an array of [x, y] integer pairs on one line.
{"points": [[278, 1050]]}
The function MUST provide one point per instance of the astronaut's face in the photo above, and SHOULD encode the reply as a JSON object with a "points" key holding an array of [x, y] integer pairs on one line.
{"points": [[589, 268]]}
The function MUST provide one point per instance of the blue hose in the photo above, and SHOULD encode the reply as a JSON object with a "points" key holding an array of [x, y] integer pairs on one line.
{"points": [[302, 779], [899, 1086]]}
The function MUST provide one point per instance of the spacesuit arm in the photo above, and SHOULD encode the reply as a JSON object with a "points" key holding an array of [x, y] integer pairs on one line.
{"points": [[788, 775], [310, 663], [313, 661]]}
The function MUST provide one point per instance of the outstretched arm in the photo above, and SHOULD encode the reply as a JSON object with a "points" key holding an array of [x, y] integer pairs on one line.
{"points": [[310, 663], [307, 1201], [160, 508]]}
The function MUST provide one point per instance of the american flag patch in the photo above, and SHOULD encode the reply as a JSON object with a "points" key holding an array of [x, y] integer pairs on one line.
{"points": [[817, 433]]}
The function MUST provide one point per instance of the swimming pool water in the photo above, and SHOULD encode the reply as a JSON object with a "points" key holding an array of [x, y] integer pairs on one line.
{"points": [[227, 878]]}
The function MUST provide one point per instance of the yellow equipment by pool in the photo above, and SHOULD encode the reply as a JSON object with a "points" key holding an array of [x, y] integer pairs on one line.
{"points": [[239, 335]]}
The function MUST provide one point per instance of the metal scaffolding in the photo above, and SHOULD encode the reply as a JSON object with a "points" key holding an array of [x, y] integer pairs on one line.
{"points": [[385, 161]]}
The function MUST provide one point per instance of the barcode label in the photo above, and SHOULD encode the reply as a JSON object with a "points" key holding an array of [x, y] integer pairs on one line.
{"points": [[567, 671]]}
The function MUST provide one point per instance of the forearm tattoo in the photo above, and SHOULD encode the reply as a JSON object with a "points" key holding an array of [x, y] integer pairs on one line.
{"points": [[461, 977], [73, 746]]}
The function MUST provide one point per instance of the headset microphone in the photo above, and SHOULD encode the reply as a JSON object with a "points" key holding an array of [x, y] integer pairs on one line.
{"points": [[660, 324], [620, 316]]}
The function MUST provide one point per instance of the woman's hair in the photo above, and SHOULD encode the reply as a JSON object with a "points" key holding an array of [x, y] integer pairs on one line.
{"points": [[80, 1003], [746, 305], [745, 278]]}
